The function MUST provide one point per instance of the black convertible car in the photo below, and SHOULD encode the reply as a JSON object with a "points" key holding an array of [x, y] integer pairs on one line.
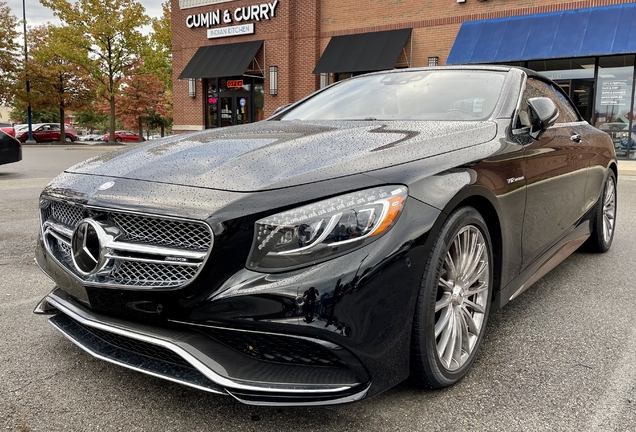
{"points": [[358, 237]]}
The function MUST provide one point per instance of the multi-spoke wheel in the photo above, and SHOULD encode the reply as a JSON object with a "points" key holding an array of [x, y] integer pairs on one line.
{"points": [[454, 300], [604, 223]]}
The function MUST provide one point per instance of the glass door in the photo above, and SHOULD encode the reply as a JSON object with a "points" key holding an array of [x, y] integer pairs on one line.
{"points": [[235, 109], [242, 108], [233, 101], [226, 103], [581, 93]]}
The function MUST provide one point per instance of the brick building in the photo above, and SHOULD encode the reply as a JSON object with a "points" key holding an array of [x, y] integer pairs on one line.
{"points": [[236, 61]]}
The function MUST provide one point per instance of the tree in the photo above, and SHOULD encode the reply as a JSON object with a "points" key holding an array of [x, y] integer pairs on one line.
{"points": [[92, 119], [10, 63], [19, 115], [56, 83], [163, 119], [108, 31], [142, 96], [157, 58]]}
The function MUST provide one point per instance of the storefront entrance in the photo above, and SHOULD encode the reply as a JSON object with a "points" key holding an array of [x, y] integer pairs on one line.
{"points": [[233, 101], [581, 92], [235, 108]]}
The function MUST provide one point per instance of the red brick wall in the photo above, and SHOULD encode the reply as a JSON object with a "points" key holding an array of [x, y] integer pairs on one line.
{"points": [[292, 42], [340, 17], [435, 23], [301, 29]]}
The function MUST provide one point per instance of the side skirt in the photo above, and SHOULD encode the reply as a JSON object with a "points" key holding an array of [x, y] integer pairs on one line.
{"points": [[543, 265]]}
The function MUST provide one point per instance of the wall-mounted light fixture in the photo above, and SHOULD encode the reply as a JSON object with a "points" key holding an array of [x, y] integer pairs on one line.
{"points": [[273, 80], [192, 87], [433, 61], [324, 80]]}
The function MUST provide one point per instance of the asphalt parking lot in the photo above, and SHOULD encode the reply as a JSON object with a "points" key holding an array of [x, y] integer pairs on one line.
{"points": [[560, 357]]}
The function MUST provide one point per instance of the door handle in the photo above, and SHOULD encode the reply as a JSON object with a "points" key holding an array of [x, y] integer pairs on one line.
{"points": [[576, 138]]}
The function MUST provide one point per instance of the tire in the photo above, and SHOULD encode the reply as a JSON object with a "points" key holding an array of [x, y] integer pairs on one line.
{"points": [[429, 368], [117, 139], [604, 223], [68, 139]]}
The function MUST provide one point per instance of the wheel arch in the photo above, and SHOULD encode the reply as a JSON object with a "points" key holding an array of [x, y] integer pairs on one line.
{"points": [[614, 168], [480, 201]]}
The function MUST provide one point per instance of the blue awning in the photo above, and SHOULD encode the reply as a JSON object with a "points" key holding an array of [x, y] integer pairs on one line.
{"points": [[587, 32]]}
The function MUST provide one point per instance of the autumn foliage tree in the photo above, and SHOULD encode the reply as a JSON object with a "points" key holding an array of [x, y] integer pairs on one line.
{"points": [[108, 40], [9, 54], [158, 56], [56, 83], [157, 60], [141, 97]]}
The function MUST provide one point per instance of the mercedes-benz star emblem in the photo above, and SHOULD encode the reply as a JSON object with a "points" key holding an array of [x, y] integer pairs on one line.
{"points": [[106, 185], [86, 246]]}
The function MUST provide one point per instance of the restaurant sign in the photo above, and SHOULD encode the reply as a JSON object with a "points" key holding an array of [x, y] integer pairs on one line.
{"points": [[235, 18]]}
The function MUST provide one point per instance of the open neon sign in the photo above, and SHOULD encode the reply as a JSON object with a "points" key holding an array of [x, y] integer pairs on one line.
{"points": [[234, 83]]}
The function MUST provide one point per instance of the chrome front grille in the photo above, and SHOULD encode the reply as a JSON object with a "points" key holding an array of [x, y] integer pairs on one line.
{"points": [[64, 248], [170, 233], [150, 274], [140, 250], [67, 214]]}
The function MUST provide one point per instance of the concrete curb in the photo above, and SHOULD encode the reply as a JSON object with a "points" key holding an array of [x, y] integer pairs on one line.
{"points": [[627, 168]]}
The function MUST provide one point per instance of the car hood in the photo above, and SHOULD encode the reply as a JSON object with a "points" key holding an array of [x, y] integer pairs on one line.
{"points": [[277, 154]]}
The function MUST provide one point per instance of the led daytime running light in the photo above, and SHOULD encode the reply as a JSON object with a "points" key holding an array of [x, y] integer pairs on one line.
{"points": [[325, 229]]}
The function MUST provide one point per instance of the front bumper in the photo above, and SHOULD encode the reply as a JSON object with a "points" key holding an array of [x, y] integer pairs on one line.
{"points": [[361, 311], [178, 355]]}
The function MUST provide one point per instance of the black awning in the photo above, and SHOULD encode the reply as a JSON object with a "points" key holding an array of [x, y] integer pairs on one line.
{"points": [[363, 52], [221, 60]]}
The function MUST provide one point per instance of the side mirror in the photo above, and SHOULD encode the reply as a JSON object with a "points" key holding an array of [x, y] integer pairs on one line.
{"points": [[543, 113], [281, 108]]}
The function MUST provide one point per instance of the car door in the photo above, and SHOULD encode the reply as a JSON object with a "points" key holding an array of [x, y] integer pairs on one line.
{"points": [[41, 133], [556, 172], [55, 134]]}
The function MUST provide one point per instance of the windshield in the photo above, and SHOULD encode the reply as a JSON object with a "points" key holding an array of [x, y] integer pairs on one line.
{"points": [[414, 95]]}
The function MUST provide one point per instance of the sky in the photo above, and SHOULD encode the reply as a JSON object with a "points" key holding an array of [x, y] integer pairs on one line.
{"points": [[37, 14]]}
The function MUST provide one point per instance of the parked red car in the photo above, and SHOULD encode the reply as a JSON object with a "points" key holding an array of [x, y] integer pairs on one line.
{"points": [[43, 132], [7, 128], [124, 136]]}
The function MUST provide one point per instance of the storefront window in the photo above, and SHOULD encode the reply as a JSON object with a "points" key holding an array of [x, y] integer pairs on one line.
{"points": [[575, 76], [212, 103], [613, 107]]}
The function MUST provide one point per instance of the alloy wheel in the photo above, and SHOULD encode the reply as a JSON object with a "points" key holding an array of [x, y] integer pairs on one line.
{"points": [[462, 297], [609, 209]]}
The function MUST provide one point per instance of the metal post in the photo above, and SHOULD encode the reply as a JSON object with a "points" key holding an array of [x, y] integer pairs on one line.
{"points": [[28, 85]]}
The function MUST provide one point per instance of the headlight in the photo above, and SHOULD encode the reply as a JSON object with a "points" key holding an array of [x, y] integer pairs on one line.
{"points": [[325, 229]]}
